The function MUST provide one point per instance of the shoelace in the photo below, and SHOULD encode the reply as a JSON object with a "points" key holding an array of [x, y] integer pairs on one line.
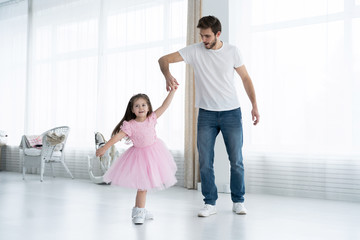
{"points": [[140, 213], [207, 207]]}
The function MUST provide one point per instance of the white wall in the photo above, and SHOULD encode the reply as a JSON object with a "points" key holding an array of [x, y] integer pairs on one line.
{"points": [[220, 9]]}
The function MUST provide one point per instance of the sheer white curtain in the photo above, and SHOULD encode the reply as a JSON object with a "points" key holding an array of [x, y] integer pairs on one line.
{"points": [[304, 58], [137, 33], [63, 66], [88, 57], [13, 43]]}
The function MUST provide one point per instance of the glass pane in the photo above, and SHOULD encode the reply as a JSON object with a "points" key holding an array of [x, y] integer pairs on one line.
{"points": [[178, 25], [13, 49], [303, 66], [270, 11], [77, 36], [154, 19], [356, 80]]}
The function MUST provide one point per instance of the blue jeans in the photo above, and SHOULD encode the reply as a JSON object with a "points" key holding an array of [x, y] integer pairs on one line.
{"points": [[210, 123]]}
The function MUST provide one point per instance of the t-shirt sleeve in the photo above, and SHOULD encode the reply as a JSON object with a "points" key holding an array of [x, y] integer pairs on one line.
{"points": [[126, 128], [238, 59], [187, 53], [153, 118]]}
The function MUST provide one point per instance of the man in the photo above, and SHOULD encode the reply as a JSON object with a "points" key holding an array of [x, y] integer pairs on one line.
{"points": [[214, 63]]}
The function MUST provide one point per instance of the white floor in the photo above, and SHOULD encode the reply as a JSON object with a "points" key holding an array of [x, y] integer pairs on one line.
{"points": [[66, 209]]}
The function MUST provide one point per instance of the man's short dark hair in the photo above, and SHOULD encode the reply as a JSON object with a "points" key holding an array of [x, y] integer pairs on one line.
{"points": [[210, 22]]}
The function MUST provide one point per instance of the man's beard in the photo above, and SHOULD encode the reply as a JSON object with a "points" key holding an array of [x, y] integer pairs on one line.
{"points": [[212, 44]]}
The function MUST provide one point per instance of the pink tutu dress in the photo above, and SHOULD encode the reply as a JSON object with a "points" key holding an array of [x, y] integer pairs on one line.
{"points": [[148, 164]]}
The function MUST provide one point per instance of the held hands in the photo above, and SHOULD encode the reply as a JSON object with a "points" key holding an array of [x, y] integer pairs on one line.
{"points": [[171, 83]]}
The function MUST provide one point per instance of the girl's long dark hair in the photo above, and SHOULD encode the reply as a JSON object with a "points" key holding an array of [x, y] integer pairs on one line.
{"points": [[129, 114]]}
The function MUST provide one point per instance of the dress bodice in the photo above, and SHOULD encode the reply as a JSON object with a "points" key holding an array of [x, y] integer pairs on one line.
{"points": [[142, 134]]}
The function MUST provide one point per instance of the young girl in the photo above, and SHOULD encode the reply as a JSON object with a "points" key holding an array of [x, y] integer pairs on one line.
{"points": [[146, 165]]}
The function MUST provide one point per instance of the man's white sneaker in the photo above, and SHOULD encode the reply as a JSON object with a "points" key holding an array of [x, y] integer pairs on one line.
{"points": [[239, 208], [138, 215], [207, 210], [148, 215]]}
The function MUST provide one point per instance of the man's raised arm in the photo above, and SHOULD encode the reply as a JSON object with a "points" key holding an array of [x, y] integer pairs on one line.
{"points": [[164, 63]]}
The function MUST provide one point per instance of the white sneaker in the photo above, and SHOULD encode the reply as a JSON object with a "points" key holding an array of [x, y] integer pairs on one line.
{"points": [[207, 210], [138, 215], [148, 215], [239, 208]]}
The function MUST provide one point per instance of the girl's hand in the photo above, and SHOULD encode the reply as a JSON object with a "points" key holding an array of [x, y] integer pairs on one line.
{"points": [[173, 89], [117, 137], [100, 152]]}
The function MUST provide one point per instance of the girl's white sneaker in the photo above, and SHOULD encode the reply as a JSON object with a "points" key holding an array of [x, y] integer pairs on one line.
{"points": [[138, 215], [135, 214]]}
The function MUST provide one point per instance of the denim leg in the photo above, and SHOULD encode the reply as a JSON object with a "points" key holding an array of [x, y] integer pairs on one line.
{"points": [[231, 129], [207, 131]]}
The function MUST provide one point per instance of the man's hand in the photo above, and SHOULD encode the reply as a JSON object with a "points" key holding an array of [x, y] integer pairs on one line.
{"points": [[171, 83], [164, 61], [255, 116]]}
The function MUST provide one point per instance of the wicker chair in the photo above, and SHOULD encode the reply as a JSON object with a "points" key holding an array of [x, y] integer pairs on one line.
{"points": [[52, 151]]}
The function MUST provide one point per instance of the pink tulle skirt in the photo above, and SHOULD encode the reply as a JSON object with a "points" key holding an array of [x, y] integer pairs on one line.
{"points": [[146, 168]]}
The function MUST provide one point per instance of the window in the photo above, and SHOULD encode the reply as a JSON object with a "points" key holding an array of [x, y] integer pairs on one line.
{"points": [[13, 42], [88, 57], [303, 57]]}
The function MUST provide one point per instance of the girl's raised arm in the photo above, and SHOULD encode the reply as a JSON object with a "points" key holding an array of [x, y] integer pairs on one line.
{"points": [[117, 137], [166, 103]]}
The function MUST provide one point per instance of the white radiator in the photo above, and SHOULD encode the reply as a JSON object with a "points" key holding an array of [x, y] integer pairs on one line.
{"points": [[75, 160], [331, 177], [334, 177]]}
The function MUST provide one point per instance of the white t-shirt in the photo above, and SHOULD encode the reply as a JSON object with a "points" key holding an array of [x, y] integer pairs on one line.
{"points": [[214, 75]]}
